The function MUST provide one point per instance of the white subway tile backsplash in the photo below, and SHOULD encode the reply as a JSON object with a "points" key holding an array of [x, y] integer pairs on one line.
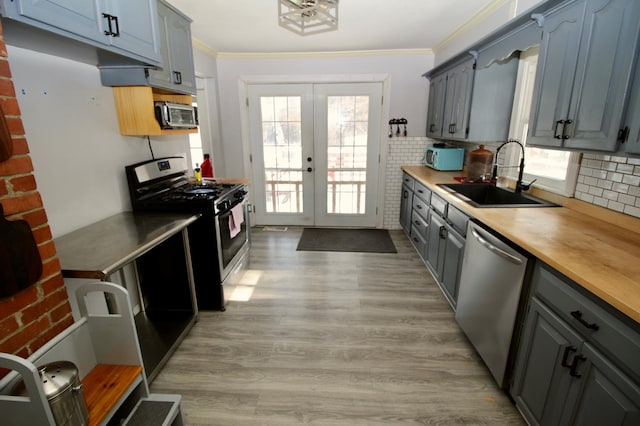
{"points": [[633, 211], [621, 187], [627, 199], [615, 177], [610, 181], [625, 168], [603, 183], [614, 205], [604, 180], [631, 180]]}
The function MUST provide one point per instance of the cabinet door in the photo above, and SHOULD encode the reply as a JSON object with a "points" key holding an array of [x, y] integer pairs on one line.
{"points": [[452, 264], [631, 144], [609, 38], [602, 395], [137, 25], [405, 209], [458, 100], [78, 17], [541, 376], [435, 244], [554, 75], [437, 90], [181, 52]]}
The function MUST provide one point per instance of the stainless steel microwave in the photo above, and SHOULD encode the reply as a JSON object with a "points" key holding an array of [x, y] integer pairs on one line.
{"points": [[176, 116]]}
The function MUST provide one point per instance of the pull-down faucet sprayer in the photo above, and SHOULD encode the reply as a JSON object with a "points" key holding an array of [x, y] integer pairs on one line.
{"points": [[519, 185]]}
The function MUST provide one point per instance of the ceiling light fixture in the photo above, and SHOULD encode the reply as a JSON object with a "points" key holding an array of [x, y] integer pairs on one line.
{"points": [[306, 17]]}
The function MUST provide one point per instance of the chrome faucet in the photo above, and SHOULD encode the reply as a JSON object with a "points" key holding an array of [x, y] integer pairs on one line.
{"points": [[519, 185]]}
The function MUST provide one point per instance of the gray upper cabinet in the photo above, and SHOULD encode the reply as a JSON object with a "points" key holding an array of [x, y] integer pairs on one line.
{"points": [[435, 115], [631, 124], [124, 27], [136, 24], [457, 104], [450, 101], [583, 74], [467, 104], [177, 73], [177, 57]]}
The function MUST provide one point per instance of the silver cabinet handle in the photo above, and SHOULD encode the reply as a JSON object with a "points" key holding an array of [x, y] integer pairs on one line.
{"points": [[486, 244]]}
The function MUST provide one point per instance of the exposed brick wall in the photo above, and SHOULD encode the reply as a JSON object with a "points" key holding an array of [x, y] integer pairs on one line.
{"points": [[35, 315]]}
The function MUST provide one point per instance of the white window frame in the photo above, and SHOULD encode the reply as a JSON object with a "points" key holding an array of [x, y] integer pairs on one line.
{"points": [[520, 125]]}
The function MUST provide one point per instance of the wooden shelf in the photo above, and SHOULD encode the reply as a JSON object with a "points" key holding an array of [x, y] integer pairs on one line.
{"points": [[105, 386], [136, 114]]}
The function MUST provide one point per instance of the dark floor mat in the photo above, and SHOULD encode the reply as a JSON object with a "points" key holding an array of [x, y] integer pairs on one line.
{"points": [[356, 240]]}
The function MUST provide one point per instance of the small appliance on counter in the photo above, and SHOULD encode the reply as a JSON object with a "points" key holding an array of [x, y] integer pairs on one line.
{"points": [[444, 158], [480, 165]]}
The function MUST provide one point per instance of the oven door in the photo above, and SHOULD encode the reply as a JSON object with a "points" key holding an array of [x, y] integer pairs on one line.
{"points": [[233, 237]]}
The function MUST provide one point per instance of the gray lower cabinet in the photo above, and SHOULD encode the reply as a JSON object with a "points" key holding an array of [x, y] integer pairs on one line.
{"points": [[406, 204], [444, 255], [128, 26], [437, 230], [577, 363], [583, 74]]}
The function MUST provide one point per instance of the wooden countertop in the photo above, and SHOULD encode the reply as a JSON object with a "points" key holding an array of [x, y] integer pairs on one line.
{"points": [[99, 249], [601, 257]]}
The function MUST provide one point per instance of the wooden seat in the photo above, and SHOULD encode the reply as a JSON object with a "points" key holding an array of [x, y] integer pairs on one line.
{"points": [[105, 386]]}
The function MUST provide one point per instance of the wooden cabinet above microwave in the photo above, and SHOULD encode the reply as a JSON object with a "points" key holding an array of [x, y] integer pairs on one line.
{"points": [[136, 113]]}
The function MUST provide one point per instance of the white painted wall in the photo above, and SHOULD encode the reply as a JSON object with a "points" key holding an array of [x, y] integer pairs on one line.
{"points": [[408, 90], [497, 14], [76, 148]]}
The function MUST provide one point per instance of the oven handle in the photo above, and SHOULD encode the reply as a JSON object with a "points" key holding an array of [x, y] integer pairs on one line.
{"points": [[231, 206]]}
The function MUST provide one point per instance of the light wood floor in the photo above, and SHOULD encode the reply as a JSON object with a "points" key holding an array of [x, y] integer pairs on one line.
{"points": [[333, 339]]}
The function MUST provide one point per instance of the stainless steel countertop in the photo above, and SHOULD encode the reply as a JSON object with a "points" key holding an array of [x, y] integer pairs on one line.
{"points": [[100, 249]]}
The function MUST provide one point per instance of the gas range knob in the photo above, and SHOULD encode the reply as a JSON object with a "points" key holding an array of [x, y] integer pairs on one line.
{"points": [[240, 194]]}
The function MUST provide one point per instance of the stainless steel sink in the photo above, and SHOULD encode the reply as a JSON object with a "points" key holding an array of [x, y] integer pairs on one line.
{"points": [[489, 196]]}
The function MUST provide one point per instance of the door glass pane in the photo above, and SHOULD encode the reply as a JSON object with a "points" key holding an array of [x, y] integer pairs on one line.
{"points": [[347, 132], [282, 150]]}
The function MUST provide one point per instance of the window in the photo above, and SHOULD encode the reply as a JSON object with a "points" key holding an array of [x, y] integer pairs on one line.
{"points": [[554, 170]]}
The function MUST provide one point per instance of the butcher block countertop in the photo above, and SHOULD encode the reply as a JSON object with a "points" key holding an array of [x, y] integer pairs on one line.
{"points": [[602, 257]]}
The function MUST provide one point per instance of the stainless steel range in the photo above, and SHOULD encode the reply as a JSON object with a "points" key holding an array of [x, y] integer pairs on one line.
{"points": [[219, 240]]}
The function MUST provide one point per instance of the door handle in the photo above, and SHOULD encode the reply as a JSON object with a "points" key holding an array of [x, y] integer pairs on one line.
{"points": [[578, 315], [108, 18], [565, 356], [555, 129], [564, 129], [574, 366], [486, 244]]}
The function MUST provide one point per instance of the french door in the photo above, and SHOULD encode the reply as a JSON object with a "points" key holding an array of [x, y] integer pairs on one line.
{"points": [[315, 153]]}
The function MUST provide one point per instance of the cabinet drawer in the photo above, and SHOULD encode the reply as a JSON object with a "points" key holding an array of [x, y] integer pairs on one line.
{"points": [[458, 220], [407, 180], [421, 207], [439, 205], [418, 223], [616, 336], [418, 240], [422, 191]]}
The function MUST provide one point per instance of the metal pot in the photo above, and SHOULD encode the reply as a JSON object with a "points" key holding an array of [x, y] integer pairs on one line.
{"points": [[63, 390]]}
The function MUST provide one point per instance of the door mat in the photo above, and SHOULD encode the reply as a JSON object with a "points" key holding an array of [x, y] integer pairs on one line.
{"points": [[354, 240]]}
